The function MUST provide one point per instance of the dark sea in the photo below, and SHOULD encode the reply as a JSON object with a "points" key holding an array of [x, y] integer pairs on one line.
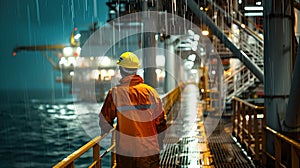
{"points": [[39, 128]]}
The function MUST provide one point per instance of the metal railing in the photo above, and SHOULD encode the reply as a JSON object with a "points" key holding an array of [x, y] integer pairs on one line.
{"points": [[238, 82], [284, 146], [247, 40], [69, 162], [247, 127], [250, 130]]}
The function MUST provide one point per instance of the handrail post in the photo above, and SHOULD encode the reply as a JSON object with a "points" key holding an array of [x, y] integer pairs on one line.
{"points": [[113, 153], [264, 142], [71, 165], [243, 123], [295, 157], [239, 120], [96, 155], [256, 141], [249, 129], [234, 117], [277, 151]]}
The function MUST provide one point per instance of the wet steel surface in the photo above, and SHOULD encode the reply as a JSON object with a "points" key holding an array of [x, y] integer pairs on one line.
{"points": [[186, 144]]}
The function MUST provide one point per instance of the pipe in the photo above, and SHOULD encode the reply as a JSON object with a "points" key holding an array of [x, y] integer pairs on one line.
{"points": [[224, 39], [170, 65], [277, 67], [292, 118], [149, 49]]}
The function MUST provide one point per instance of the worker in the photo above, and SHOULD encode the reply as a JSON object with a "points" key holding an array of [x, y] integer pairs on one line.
{"points": [[140, 117]]}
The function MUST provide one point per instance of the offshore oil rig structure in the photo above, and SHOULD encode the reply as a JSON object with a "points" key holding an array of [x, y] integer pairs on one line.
{"points": [[231, 57]]}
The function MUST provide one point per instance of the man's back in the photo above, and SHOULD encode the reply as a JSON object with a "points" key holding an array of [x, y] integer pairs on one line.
{"points": [[139, 112], [141, 119]]}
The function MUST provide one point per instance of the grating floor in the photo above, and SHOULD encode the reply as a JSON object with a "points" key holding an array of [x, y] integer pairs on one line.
{"points": [[225, 152], [186, 144]]}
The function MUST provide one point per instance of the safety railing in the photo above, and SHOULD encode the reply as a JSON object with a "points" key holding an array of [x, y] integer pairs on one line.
{"points": [[287, 151], [171, 97], [168, 101], [246, 39], [247, 127], [211, 100], [238, 81], [69, 161]]}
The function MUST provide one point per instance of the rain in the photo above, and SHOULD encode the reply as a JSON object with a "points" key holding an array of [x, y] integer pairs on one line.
{"points": [[58, 62]]}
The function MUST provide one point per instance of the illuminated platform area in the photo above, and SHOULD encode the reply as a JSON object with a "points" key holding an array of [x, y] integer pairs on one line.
{"points": [[189, 144]]}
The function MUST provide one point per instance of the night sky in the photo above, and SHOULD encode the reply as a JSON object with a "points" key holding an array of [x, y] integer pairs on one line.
{"points": [[40, 22]]}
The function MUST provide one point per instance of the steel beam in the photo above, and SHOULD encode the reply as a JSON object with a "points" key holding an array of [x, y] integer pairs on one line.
{"points": [[224, 39]]}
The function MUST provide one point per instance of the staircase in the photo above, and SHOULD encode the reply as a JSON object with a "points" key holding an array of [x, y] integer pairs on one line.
{"points": [[238, 79]]}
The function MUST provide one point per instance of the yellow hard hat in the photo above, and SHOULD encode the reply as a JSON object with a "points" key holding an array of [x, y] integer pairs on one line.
{"points": [[129, 60]]}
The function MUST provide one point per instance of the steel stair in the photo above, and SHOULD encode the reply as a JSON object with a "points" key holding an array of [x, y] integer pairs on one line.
{"points": [[249, 42]]}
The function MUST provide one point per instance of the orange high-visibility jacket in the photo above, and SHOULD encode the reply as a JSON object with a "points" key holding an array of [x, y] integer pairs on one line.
{"points": [[140, 117]]}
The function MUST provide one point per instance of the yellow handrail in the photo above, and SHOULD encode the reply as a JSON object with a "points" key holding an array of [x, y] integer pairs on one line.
{"points": [[294, 149], [246, 127], [252, 135], [168, 101], [247, 103], [69, 160]]}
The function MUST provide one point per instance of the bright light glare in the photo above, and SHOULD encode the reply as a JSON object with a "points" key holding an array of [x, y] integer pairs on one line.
{"points": [[103, 72], [78, 50], [192, 57], [63, 61], [95, 74], [158, 71], [254, 14], [196, 37], [111, 72], [205, 32], [254, 8], [67, 51], [72, 60], [194, 45], [77, 36], [105, 60], [189, 64], [213, 72], [160, 60], [194, 71], [191, 32], [243, 26], [258, 3]]}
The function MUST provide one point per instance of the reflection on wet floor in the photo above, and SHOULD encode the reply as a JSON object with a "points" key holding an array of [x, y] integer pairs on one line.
{"points": [[193, 140]]}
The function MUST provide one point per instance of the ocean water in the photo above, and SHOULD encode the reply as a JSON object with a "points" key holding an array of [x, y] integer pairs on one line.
{"points": [[40, 128]]}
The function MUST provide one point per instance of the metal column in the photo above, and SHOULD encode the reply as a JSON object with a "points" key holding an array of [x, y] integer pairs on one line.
{"points": [[149, 48], [170, 78], [292, 119], [277, 62]]}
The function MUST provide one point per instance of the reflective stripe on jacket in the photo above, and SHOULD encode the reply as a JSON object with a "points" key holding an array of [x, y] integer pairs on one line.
{"points": [[140, 117]]}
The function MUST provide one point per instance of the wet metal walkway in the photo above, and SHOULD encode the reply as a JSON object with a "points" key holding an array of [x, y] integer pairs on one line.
{"points": [[186, 144]]}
